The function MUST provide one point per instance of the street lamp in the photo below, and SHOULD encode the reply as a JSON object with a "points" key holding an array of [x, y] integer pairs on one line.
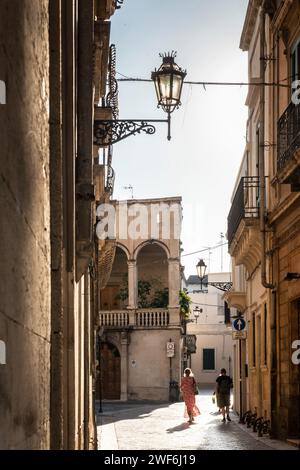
{"points": [[201, 269], [168, 80], [197, 312]]}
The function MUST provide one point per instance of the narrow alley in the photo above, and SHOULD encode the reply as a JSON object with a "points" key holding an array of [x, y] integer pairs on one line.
{"points": [[149, 426]]}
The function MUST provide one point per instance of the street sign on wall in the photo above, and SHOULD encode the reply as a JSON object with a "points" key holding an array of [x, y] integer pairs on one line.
{"points": [[239, 334], [170, 349], [238, 324], [239, 329]]}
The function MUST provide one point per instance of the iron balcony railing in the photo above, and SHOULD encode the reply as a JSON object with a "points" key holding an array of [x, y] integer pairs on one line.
{"points": [[109, 172], [112, 97], [245, 204], [288, 135]]}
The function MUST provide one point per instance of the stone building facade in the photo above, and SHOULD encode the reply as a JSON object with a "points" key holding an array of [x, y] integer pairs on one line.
{"points": [[54, 61], [214, 345], [264, 237], [139, 310]]}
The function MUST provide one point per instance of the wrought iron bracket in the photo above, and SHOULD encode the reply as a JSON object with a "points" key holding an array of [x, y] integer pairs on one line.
{"points": [[224, 286], [118, 4], [109, 132]]}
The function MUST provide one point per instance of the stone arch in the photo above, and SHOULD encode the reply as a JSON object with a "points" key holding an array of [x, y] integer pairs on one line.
{"points": [[124, 248], [151, 242], [152, 271], [110, 298]]}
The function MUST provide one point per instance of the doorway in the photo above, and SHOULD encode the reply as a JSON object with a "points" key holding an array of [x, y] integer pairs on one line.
{"points": [[110, 372]]}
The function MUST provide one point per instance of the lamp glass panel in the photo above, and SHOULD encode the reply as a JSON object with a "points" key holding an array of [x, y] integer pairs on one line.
{"points": [[165, 87], [201, 268], [157, 89], [177, 84]]}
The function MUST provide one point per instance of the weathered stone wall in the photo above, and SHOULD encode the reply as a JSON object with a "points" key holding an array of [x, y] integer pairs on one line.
{"points": [[24, 227], [288, 328], [149, 366]]}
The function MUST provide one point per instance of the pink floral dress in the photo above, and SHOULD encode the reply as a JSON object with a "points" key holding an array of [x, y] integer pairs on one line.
{"points": [[187, 387]]}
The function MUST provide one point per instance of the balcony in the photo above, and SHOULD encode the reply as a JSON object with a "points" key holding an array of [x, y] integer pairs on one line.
{"points": [[243, 224], [245, 204], [139, 318], [114, 319], [288, 157]]}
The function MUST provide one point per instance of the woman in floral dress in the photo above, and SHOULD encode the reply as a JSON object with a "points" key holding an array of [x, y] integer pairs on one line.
{"points": [[187, 388]]}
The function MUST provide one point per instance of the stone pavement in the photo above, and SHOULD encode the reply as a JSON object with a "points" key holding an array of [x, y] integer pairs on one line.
{"points": [[161, 426]]}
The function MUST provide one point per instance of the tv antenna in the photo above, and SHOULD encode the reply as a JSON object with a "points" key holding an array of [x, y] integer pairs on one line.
{"points": [[130, 188]]}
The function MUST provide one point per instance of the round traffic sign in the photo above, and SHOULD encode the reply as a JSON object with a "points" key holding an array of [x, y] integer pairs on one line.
{"points": [[239, 324]]}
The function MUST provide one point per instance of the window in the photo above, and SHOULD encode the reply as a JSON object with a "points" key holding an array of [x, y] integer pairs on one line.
{"points": [[253, 340], [209, 359], [296, 61], [227, 318]]}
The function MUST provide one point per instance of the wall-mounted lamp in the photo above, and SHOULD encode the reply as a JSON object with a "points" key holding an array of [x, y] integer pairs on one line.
{"points": [[201, 269], [197, 311], [168, 81]]}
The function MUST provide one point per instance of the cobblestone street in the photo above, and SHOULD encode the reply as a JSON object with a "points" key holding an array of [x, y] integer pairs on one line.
{"points": [[137, 426]]}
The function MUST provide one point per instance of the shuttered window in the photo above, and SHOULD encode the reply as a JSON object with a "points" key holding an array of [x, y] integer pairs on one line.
{"points": [[209, 359]]}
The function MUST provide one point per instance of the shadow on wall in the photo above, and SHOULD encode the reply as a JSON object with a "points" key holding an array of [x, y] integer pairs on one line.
{"points": [[24, 249]]}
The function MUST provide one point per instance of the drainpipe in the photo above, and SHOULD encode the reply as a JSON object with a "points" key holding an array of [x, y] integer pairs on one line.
{"points": [[262, 190], [262, 182]]}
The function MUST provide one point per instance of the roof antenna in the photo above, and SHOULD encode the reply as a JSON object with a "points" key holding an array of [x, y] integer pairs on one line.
{"points": [[130, 188]]}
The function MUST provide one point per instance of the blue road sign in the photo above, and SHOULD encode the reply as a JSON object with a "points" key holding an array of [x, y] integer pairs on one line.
{"points": [[239, 324]]}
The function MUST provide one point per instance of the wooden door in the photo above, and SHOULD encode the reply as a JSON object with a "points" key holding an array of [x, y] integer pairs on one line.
{"points": [[111, 372]]}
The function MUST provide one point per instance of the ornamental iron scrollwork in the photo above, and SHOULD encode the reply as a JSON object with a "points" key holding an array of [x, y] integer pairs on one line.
{"points": [[118, 4], [288, 135], [110, 180], [223, 286], [112, 98], [109, 132]]}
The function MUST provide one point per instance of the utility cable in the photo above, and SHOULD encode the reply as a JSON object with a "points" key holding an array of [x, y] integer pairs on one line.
{"points": [[204, 84], [205, 249]]}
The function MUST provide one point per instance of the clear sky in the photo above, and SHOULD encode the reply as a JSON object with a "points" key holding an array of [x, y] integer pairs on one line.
{"points": [[201, 161]]}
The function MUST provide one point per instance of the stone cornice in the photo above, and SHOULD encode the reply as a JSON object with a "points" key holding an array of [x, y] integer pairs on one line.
{"points": [[236, 300], [249, 24], [246, 245], [281, 209], [281, 14]]}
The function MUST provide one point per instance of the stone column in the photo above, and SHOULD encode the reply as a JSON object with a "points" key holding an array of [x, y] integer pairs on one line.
{"points": [[132, 288], [124, 365], [174, 282]]}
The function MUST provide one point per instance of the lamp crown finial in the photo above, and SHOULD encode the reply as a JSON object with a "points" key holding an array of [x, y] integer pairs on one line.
{"points": [[168, 57]]}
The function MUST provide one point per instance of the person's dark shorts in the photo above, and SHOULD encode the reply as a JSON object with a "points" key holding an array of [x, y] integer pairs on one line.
{"points": [[223, 400]]}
